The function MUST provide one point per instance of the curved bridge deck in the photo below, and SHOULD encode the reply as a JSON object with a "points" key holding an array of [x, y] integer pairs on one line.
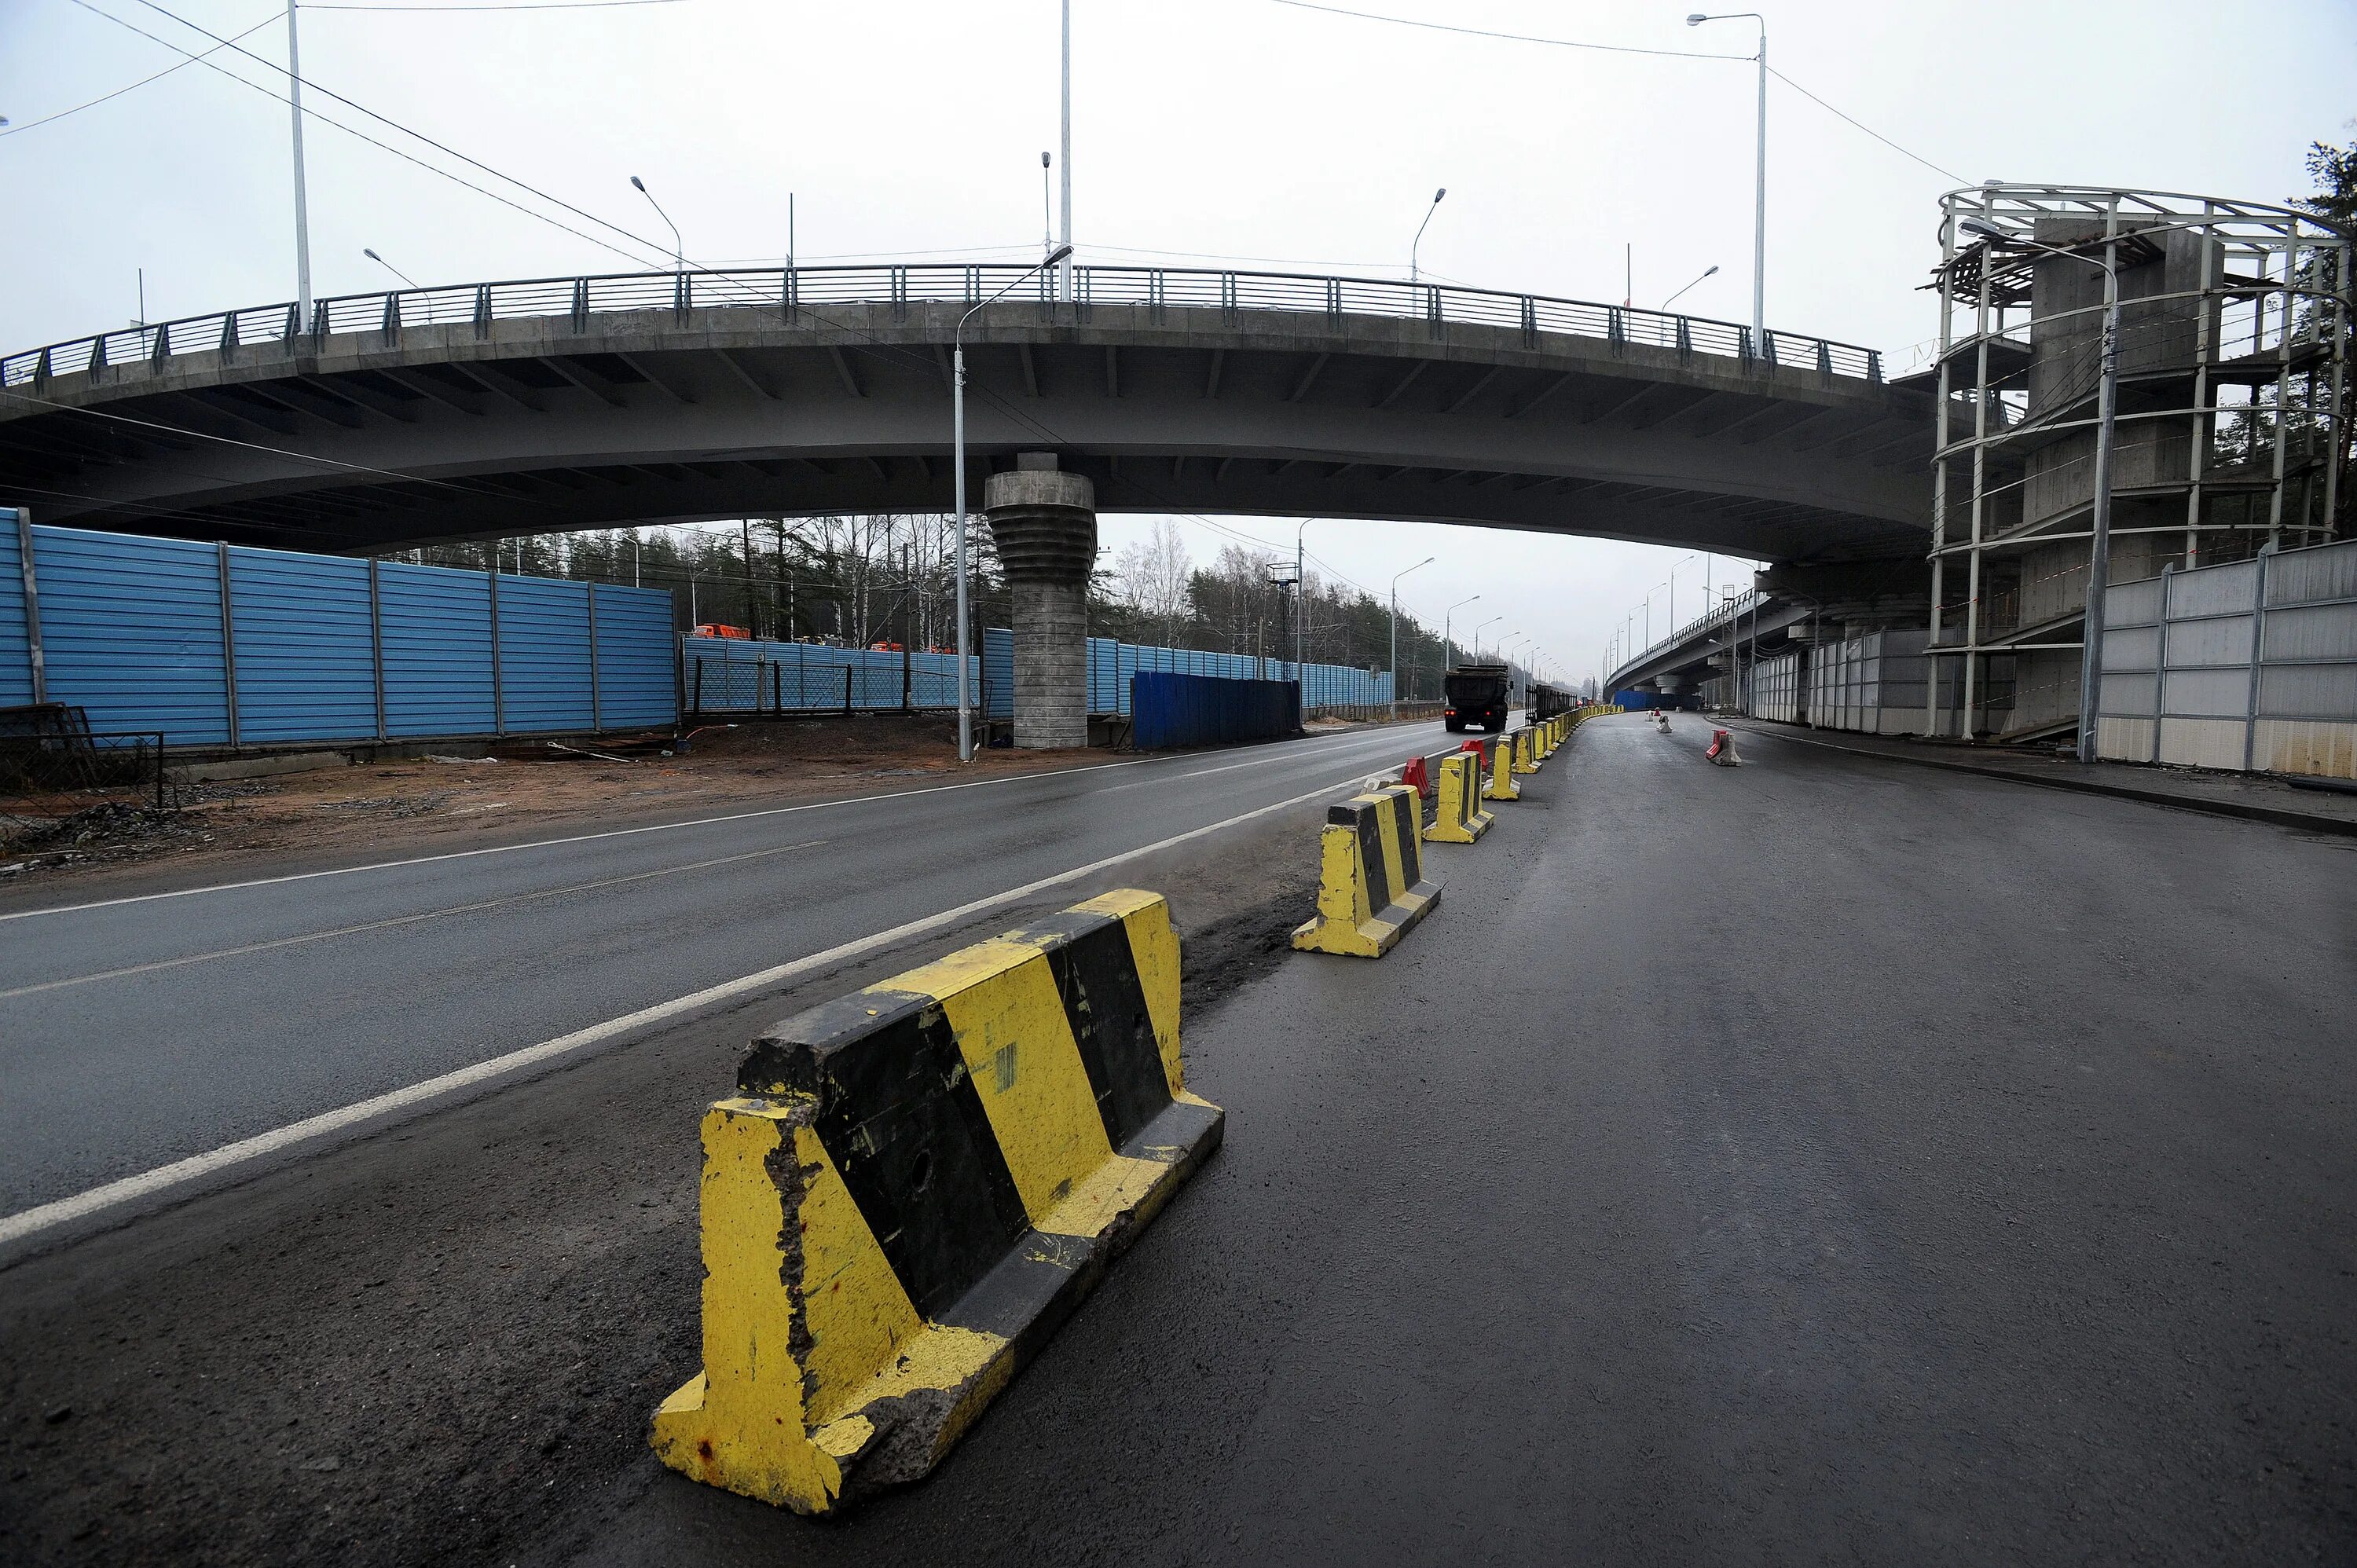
{"points": [[397, 418]]}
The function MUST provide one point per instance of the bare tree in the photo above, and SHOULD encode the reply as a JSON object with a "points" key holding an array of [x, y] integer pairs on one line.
{"points": [[1156, 573]]}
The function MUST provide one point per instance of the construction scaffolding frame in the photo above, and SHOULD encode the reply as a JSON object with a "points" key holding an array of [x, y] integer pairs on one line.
{"points": [[2232, 375]]}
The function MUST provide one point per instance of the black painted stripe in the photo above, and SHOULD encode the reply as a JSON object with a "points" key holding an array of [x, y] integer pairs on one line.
{"points": [[900, 1116], [1407, 816], [1370, 856], [1104, 1003]]}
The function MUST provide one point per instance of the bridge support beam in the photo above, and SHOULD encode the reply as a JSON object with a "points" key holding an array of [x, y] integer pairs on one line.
{"points": [[1044, 522]]}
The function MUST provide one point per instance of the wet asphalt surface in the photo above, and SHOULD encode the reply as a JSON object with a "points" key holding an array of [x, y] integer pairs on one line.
{"points": [[1817, 1160], [143, 1032]]}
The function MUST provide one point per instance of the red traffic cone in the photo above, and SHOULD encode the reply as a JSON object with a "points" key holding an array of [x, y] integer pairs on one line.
{"points": [[1471, 745], [1413, 773]]}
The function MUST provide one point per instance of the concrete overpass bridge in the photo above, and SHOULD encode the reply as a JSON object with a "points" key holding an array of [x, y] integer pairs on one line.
{"points": [[427, 414]]}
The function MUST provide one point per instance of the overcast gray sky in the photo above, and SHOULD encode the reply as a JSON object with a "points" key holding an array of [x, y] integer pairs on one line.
{"points": [[1244, 129]]}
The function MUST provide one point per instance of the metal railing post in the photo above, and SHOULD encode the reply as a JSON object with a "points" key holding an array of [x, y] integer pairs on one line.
{"points": [[596, 709], [376, 643], [499, 693], [228, 638], [33, 652]]}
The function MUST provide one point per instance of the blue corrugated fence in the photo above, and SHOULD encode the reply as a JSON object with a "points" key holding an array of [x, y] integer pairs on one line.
{"points": [[1111, 665], [218, 644], [1210, 710]]}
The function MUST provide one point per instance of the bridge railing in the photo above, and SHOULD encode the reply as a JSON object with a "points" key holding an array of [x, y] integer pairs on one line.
{"points": [[1742, 605], [801, 293]]}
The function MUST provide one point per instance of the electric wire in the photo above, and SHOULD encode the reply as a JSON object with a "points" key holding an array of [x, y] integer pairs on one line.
{"points": [[108, 97], [362, 136], [1626, 49]]}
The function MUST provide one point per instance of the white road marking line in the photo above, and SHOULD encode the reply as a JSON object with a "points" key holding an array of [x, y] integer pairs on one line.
{"points": [[588, 838], [93, 1200], [391, 920]]}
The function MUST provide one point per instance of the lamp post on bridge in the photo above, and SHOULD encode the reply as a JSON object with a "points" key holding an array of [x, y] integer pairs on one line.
{"points": [[1477, 635], [1760, 193], [388, 266], [957, 417], [678, 247], [1420, 228]]}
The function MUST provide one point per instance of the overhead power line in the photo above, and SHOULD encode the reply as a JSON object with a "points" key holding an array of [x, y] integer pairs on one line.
{"points": [[1623, 49], [384, 146], [107, 97]]}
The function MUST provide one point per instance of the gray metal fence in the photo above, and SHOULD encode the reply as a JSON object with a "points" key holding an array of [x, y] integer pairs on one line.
{"points": [[2250, 665]]}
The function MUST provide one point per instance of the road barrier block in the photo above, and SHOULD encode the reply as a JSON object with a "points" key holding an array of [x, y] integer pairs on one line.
{"points": [[1459, 818], [916, 1184], [1722, 749], [1543, 740], [1370, 881], [1501, 785], [1523, 762]]}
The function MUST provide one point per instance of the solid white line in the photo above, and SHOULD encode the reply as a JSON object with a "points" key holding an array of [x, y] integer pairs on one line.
{"points": [[32, 1221], [588, 838]]}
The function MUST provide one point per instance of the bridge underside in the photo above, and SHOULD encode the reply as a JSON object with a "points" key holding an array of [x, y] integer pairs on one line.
{"points": [[449, 432]]}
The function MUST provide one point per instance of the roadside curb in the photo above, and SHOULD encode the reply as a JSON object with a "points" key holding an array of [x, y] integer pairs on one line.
{"points": [[2271, 815]]}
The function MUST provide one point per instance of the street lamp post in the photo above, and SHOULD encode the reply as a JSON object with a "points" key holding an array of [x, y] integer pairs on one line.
{"points": [[1395, 577], [1065, 277], [2099, 548], [1447, 648], [1477, 635], [1419, 231], [1760, 196], [1673, 298], [302, 198], [1506, 655], [678, 250], [388, 266], [957, 419]]}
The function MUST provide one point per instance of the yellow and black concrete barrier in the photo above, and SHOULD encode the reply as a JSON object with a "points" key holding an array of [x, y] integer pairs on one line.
{"points": [[915, 1185], [1523, 762], [1459, 817], [1370, 881], [1501, 785]]}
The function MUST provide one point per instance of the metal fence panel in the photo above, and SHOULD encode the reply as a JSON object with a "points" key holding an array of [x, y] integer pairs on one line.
{"points": [[2310, 632], [2214, 590], [2324, 691], [2304, 576], [131, 631], [1174, 710], [637, 685], [437, 649], [544, 654], [2219, 640], [2206, 693], [305, 647]]}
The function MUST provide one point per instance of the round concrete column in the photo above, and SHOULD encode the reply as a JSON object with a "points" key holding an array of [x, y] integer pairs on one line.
{"points": [[1044, 522]]}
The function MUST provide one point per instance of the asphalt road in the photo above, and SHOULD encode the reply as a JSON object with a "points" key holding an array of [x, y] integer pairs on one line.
{"points": [[1822, 1159], [1813, 1161], [143, 1032]]}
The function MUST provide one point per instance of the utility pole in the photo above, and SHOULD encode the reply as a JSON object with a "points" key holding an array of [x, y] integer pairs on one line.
{"points": [[302, 208], [1065, 271]]}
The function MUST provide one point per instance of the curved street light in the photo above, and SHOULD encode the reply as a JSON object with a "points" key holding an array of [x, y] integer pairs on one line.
{"points": [[1448, 649], [1760, 191], [1395, 577], [957, 418], [678, 249], [1477, 635], [388, 266], [1419, 231]]}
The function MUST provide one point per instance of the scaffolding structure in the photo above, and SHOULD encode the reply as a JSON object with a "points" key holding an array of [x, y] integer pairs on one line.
{"points": [[2234, 327]]}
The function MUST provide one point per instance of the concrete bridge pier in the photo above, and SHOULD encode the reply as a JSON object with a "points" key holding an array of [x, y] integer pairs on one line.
{"points": [[1044, 522]]}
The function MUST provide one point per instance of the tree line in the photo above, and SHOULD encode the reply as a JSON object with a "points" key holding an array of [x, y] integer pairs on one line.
{"points": [[862, 581]]}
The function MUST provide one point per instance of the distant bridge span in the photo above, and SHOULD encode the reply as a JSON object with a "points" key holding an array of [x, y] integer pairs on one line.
{"points": [[479, 410]]}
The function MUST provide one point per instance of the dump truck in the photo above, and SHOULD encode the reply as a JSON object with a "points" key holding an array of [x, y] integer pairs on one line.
{"points": [[1477, 694]]}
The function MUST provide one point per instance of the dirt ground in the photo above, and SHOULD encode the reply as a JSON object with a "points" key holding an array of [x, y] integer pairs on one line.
{"points": [[489, 792]]}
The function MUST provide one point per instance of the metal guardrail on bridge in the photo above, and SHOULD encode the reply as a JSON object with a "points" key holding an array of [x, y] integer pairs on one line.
{"points": [[803, 293]]}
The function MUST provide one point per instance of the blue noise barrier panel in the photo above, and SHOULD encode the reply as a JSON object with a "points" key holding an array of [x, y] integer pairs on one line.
{"points": [[217, 645], [1170, 710]]}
